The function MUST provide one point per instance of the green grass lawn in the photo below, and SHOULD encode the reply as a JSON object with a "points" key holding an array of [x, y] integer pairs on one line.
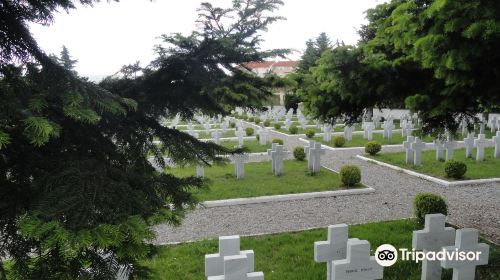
{"points": [[252, 145], [489, 168], [229, 133], [259, 180], [301, 131], [359, 141], [290, 256]]}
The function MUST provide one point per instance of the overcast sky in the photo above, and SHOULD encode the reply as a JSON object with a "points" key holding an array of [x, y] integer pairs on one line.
{"points": [[110, 34]]}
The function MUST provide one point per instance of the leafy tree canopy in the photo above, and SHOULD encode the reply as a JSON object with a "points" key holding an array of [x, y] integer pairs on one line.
{"points": [[79, 191]]}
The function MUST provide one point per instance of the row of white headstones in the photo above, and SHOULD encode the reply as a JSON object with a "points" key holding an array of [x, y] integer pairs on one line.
{"points": [[277, 153], [414, 146], [349, 258]]}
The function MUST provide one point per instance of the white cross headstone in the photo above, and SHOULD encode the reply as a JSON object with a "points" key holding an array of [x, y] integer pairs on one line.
{"points": [[263, 136], [481, 142], [207, 127], [469, 144], [481, 127], [200, 171], [376, 121], [240, 133], [496, 143], [408, 150], [277, 156], [493, 124], [239, 161], [269, 153], [432, 238], [234, 269], [216, 136], [466, 241], [369, 127], [358, 264], [310, 161], [439, 146], [327, 135], [228, 246], [417, 146], [449, 146], [348, 132], [288, 123], [315, 156], [335, 248], [388, 127]]}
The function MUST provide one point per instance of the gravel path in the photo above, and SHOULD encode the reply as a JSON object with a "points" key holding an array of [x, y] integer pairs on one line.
{"points": [[469, 206]]}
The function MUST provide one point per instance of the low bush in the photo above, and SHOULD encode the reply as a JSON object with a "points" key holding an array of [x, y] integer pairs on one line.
{"points": [[310, 133], [256, 120], [267, 123], [244, 117], [249, 131], [429, 203], [251, 119], [277, 140], [277, 126], [455, 169], [373, 148], [232, 125], [338, 141], [293, 129], [299, 154], [350, 175]]}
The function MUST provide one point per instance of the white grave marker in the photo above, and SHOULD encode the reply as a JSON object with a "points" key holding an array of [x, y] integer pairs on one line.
{"points": [[408, 150], [200, 171], [327, 135], [417, 146], [481, 142], [358, 265], [277, 156], [449, 146], [432, 238], [469, 144], [240, 133], [239, 167], [310, 161], [369, 127], [315, 156], [496, 143], [228, 246], [438, 145]]}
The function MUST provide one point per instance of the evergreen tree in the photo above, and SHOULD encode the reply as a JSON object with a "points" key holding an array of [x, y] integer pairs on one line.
{"points": [[79, 194], [314, 50], [66, 61]]}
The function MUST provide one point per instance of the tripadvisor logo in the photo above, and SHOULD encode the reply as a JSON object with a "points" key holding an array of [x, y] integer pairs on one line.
{"points": [[387, 255]]}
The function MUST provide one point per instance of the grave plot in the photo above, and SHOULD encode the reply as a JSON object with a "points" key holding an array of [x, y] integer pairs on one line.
{"points": [[253, 146], [292, 256], [259, 180], [228, 133], [484, 169], [359, 141], [299, 130]]}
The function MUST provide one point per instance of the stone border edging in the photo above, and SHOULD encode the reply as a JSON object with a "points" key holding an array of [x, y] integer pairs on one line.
{"points": [[430, 178]]}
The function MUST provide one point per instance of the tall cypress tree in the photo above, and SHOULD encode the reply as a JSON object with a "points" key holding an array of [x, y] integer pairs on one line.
{"points": [[77, 187]]}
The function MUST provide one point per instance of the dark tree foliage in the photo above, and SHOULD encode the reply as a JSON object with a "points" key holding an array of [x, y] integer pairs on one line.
{"points": [[78, 192], [314, 50], [438, 58]]}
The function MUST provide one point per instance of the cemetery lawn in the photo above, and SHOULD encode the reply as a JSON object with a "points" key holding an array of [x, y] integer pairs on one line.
{"points": [[229, 133], [291, 255], [252, 145], [359, 141], [259, 180], [489, 168], [301, 131]]}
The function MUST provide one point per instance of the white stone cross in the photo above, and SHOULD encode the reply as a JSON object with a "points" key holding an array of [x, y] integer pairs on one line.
{"points": [[406, 129], [496, 143], [358, 264], [277, 156], [303, 123], [493, 124], [207, 127], [376, 121], [200, 171], [334, 248], [481, 127], [239, 161], [348, 132], [288, 123], [481, 142], [315, 156], [310, 161], [417, 146], [388, 127], [269, 153], [449, 146], [432, 238], [234, 269], [327, 135], [228, 246], [263, 136], [408, 150], [469, 144], [438, 145], [216, 136], [240, 133], [466, 241], [369, 127]]}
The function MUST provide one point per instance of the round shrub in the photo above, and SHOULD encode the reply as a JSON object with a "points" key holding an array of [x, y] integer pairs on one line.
{"points": [[267, 123], [256, 120], [277, 140], [310, 133], [299, 154], [232, 125], [429, 203], [251, 119], [350, 175], [455, 169], [338, 141], [373, 148], [293, 129], [249, 131], [244, 117], [277, 126]]}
